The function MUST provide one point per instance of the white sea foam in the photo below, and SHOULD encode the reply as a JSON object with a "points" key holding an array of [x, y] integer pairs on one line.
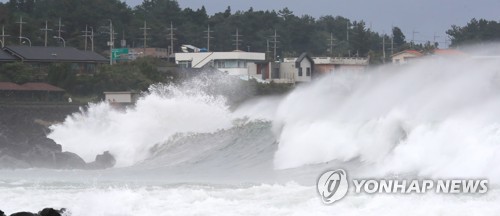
{"points": [[129, 134], [438, 117], [264, 199]]}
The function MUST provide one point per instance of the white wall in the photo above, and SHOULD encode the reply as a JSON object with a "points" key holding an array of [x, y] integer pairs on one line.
{"points": [[118, 97], [200, 59]]}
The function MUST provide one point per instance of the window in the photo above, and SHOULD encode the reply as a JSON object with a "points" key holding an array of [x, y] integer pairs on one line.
{"points": [[300, 71], [185, 64], [221, 64], [308, 71]]}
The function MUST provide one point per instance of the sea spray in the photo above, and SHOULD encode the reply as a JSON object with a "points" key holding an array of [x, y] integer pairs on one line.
{"points": [[129, 134], [437, 117]]}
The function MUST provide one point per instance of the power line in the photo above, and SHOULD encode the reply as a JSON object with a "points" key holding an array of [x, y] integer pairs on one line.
{"points": [[331, 44], [237, 41], [145, 35], [275, 43], [171, 38], [89, 36], [208, 37], [21, 29], [3, 36], [46, 29]]}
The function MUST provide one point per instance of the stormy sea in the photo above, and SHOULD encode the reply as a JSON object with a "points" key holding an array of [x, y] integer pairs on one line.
{"points": [[182, 150]]}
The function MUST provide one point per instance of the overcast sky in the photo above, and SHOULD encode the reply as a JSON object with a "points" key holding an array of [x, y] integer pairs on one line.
{"points": [[427, 17]]}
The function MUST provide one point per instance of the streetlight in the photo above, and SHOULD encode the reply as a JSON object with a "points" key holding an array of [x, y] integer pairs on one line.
{"points": [[60, 38], [29, 41]]}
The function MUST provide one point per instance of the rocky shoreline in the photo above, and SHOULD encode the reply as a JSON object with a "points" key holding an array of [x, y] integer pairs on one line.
{"points": [[44, 212], [24, 142]]}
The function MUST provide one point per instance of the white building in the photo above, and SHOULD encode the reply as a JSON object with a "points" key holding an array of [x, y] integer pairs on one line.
{"points": [[291, 70], [233, 63], [121, 97]]}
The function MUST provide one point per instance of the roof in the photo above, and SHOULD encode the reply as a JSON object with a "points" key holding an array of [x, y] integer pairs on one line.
{"points": [[54, 54], [448, 52], [4, 56], [37, 86], [414, 52], [301, 57], [9, 86]]}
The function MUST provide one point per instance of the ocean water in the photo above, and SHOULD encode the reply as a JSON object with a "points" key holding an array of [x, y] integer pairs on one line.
{"points": [[182, 151]]}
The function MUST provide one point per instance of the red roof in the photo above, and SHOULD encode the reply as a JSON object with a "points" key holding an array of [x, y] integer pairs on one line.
{"points": [[451, 52], [9, 86], [34, 86], [414, 52]]}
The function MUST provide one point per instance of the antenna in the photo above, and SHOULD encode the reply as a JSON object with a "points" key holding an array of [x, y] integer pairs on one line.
{"points": [[171, 38], [46, 29], [21, 30], [237, 41], [275, 43], [208, 38], [3, 36], [331, 44], [145, 35]]}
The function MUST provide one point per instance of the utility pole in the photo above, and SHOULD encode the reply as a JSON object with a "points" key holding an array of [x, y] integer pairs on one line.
{"points": [[145, 35], [413, 37], [237, 40], [59, 25], [46, 29], [3, 36], [21, 30], [267, 50], [348, 44], [383, 48], [171, 38], [392, 45], [331, 40], [435, 36], [275, 43], [86, 35], [208, 38], [111, 41]]}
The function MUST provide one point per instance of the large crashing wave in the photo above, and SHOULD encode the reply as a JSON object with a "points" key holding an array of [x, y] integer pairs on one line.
{"points": [[129, 134], [438, 117]]}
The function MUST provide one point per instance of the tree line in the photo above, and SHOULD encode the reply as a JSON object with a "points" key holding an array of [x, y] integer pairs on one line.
{"points": [[297, 34]]}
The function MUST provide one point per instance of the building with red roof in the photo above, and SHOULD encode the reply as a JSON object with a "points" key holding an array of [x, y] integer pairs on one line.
{"points": [[405, 56]]}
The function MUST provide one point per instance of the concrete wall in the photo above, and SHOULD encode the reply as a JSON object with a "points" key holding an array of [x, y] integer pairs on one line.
{"points": [[119, 97]]}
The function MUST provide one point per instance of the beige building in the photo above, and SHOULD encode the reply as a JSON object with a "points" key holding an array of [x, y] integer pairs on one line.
{"points": [[405, 56]]}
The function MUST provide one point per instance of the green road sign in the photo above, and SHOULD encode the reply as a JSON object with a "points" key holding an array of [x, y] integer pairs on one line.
{"points": [[117, 53]]}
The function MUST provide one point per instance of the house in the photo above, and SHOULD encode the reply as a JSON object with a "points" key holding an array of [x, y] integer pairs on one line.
{"points": [[291, 70], [6, 57], [405, 56], [42, 57], [325, 65], [233, 63], [301, 68], [32, 91], [123, 97]]}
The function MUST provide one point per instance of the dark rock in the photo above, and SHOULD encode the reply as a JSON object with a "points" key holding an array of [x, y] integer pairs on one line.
{"points": [[50, 212], [23, 214], [69, 160], [2, 213], [102, 161]]}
